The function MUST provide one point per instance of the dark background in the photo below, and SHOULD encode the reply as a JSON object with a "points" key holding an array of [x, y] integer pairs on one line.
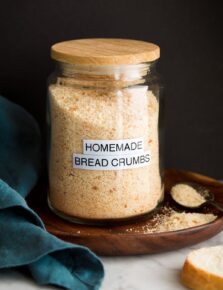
{"points": [[190, 36]]}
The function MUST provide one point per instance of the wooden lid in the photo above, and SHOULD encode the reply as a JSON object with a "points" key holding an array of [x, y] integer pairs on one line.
{"points": [[105, 51]]}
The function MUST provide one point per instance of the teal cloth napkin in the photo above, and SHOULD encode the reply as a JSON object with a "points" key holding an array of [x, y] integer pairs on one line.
{"points": [[23, 238]]}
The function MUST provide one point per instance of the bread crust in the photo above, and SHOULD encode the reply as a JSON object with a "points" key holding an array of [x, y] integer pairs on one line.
{"points": [[197, 279]]}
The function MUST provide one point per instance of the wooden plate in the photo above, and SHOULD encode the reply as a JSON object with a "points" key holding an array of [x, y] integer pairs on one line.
{"points": [[131, 239]]}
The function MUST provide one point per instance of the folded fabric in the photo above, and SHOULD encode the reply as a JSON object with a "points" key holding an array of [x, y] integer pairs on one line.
{"points": [[23, 238]]}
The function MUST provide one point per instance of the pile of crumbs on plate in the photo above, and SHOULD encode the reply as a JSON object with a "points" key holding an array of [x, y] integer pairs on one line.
{"points": [[170, 220]]}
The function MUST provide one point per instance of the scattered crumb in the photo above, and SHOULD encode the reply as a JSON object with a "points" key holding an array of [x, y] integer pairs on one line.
{"points": [[171, 220]]}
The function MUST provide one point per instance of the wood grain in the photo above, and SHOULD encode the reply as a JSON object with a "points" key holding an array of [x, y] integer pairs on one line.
{"points": [[105, 51], [118, 240]]}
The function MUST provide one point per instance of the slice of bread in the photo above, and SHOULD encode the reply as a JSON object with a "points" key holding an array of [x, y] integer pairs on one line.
{"points": [[203, 269]]}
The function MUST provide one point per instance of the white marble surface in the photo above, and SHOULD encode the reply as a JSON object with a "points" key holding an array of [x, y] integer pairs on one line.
{"points": [[155, 272]]}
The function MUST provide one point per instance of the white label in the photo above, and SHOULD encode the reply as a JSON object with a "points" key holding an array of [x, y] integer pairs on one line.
{"points": [[112, 155], [103, 162], [113, 147]]}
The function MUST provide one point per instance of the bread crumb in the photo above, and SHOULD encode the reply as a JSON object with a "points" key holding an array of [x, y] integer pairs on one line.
{"points": [[171, 220], [82, 113], [187, 195]]}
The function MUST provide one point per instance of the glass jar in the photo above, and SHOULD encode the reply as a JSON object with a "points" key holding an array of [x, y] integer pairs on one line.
{"points": [[104, 130]]}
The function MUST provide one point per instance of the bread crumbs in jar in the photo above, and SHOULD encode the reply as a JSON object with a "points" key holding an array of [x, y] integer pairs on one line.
{"points": [[104, 130]]}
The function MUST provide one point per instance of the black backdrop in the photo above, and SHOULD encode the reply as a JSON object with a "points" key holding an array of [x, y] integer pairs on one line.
{"points": [[190, 36]]}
